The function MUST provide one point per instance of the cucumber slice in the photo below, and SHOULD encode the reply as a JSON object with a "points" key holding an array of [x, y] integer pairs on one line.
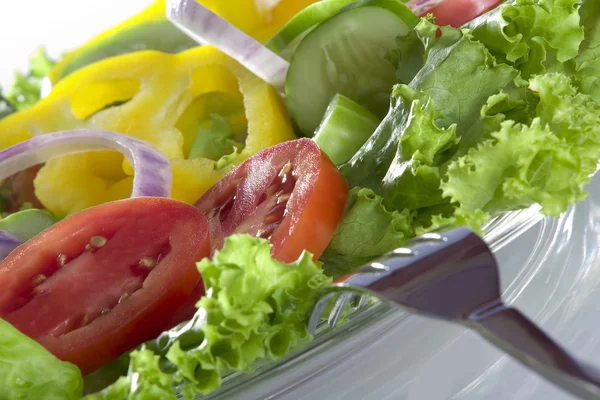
{"points": [[347, 54], [290, 36], [345, 128], [28, 223]]}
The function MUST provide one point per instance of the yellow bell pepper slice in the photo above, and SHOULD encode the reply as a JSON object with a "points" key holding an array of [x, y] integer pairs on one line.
{"points": [[148, 30], [261, 19], [160, 98]]}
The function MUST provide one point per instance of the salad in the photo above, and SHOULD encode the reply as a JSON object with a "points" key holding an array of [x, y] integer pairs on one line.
{"points": [[168, 217]]}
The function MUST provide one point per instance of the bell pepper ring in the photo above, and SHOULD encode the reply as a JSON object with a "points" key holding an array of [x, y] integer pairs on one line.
{"points": [[151, 30], [160, 98]]}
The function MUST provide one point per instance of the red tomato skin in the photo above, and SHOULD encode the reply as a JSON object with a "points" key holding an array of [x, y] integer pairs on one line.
{"points": [[456, 13], [322, 212], [149, 310], [316, 205]]}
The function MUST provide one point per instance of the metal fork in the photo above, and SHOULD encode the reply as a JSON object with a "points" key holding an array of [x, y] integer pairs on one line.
{"points": [[454, 276]]}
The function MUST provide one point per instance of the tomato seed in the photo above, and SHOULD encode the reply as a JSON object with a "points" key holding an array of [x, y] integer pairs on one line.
{"points": [[147, 262], [39, 279], [61, 260], [96, 242], [85, 320], [104, 311], [123, 297], [271, 190], [283, 198], [270, 219], [265, 233], [285, 170]]}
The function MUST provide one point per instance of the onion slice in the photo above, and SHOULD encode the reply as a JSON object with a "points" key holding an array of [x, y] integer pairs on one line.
{"points": [[8, 242], [206, 27], [420, 7], [152, 171]]}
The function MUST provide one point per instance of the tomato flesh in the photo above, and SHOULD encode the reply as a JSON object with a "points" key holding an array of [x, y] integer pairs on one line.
{"points": [[102, 281], [456, 13], [290, 194]]}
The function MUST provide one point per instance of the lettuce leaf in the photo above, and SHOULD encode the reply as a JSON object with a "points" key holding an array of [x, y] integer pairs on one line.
{"points": [[547, 162], [6, 108], [255, 307], [503, 114], [26, 89], [28, 371], [367, 230], [533, 36], [587, 69], [215, 141], [459, 76]]}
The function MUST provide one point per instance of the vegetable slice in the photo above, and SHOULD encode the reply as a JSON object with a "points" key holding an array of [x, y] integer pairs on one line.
{"points": [[206, 27], [148, 30], [290, 194], [255, 306], [153, 171], [20, 227], [164, 105], [347, 54], [344, 129], [260, 19], [470, 137], [288, 38], [27, 223], [104, 280], [8, 242], [456, 13]]}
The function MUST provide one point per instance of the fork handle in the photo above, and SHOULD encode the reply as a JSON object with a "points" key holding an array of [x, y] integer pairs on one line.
{"points": [[516, 335]]}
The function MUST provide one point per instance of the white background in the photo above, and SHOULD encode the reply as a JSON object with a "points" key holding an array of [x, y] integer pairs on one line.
{"points": [[58, 24]]}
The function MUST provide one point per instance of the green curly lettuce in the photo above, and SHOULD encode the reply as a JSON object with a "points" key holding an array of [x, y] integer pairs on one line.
{"points": [[367, 230], [255, 307], [534, 36], [587, 63], [30, 372], [548, 162], [459, 75], [502, 115], [26, 89], [6, 108]]}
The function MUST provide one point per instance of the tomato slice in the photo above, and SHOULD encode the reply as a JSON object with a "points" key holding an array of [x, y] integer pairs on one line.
{"points": [[456, 13], [102, 281], [291, 194]]}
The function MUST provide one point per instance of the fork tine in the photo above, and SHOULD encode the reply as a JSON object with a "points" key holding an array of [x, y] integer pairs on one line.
{"points": [[363, 302], [318, 309], [339, 307]]}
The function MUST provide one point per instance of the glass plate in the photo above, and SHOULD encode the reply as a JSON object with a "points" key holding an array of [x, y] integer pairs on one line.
{"points": [[550, 270]]}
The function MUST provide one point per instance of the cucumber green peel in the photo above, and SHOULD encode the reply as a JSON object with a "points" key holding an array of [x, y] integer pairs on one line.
{"points": [[349, 54], [345, 128], [159, 35], [27, 224], [288, 38]]}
